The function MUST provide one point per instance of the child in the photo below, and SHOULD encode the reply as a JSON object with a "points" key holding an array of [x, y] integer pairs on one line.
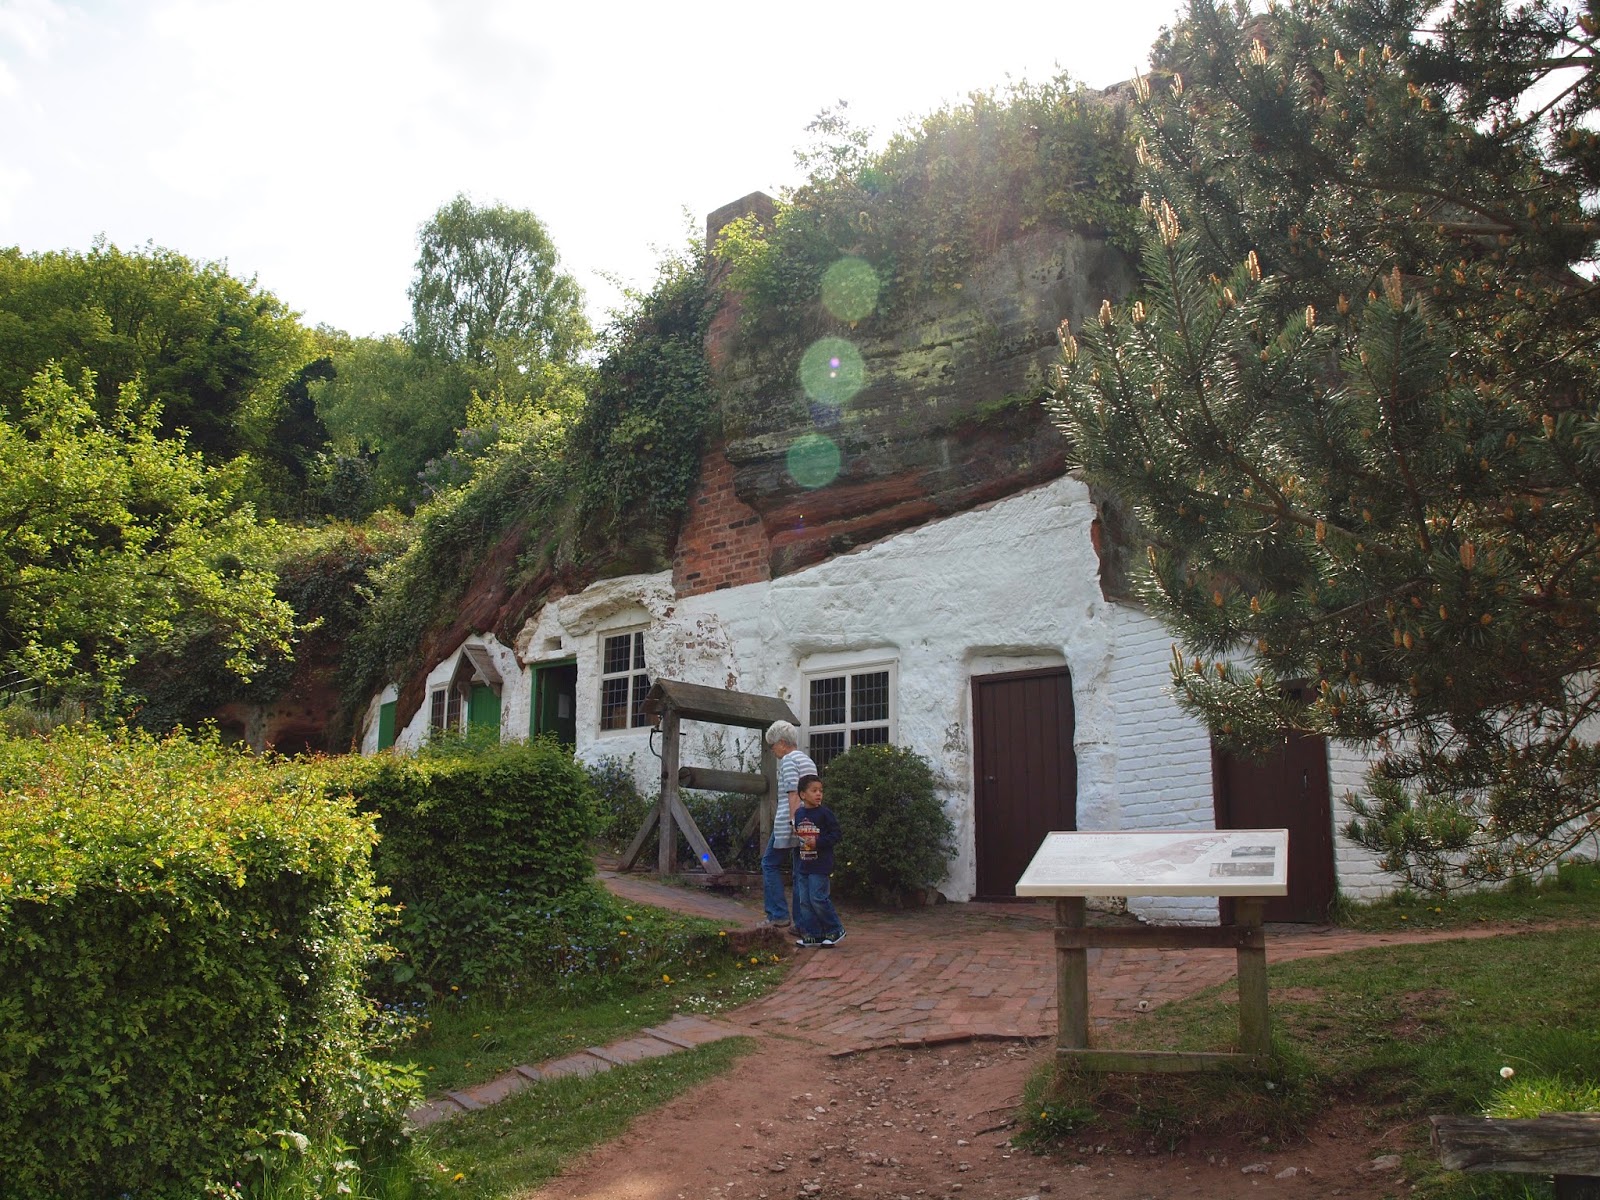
{"points": [[818, 831]]}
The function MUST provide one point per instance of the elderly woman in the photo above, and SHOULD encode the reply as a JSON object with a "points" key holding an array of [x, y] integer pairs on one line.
{"points": [[793, 762]]}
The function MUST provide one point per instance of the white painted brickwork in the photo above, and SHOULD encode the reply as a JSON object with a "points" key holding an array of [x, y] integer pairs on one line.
{"points": [[1008, 587]]}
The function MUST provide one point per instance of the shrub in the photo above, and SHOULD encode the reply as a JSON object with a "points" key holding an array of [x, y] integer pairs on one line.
{"points": [[472, 839], [461, 819], [183, 932], [898, 839], [620, 806]]}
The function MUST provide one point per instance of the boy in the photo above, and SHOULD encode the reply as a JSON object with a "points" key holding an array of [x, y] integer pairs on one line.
{"points": [[818, 832]]}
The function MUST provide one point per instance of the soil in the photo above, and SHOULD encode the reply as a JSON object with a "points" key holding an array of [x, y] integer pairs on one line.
{"points": [[792, 1121]]}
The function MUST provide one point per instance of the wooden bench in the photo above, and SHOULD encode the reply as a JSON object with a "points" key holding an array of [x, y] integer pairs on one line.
{"points": [[1565, 1145]]}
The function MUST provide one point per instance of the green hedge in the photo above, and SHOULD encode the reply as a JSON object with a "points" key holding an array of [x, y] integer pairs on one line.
{"points": [[471, 834], [183, 935], [898, 839]]}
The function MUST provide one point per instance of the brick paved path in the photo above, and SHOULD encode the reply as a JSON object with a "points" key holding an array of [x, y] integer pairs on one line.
{"points": [[983, 970]]}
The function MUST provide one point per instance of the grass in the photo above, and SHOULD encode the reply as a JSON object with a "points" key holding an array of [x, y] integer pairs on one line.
{"points": [[1400, 1032], [463, 1042], [1572, 891], [524, 1141]]}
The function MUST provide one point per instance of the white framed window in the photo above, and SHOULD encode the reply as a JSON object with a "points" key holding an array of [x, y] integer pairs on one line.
{"points": [[624, 681], [850, 706], [444, 708]]}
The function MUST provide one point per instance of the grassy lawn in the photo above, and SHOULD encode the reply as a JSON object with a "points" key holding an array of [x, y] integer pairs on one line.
{"points": [[1397, 1032]]}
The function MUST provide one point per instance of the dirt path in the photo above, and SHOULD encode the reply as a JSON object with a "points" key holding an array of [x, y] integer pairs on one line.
{"points": [[846, 1097]]}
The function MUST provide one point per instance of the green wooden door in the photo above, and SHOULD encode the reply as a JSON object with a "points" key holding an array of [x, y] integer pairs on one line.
{"points": [[555, 701], [483, 708], [386, 724]]}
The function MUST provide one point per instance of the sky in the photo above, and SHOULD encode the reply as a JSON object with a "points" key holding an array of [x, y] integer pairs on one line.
{"points": [[304, 142]]}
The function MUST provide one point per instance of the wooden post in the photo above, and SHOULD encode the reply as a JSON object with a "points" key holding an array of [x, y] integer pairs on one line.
{"points": [[667, 851], [1072, 980], [1255, 1033]]}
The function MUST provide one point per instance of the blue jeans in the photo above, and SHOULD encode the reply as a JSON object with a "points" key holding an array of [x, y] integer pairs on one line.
{"points": [[774, 895], [814, 914]]}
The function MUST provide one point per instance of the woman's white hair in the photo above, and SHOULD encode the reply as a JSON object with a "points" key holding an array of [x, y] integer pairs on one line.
{"points": [[782, 731]]}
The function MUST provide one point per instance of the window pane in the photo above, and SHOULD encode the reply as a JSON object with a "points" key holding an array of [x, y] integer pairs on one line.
{"points": [[618, 651], [614, 703], [436, 709], [641, 689], [825, 747], [827, 701], [869, 696], [638, 652], [452, 708], [873, 735]]}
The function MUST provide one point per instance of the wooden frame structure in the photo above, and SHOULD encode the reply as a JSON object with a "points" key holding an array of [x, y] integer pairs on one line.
{"points": [[1248, 865], [669, 704]]}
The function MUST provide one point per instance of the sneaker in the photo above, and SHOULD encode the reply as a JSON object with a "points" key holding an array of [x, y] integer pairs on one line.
{"points": [[808, 942], [833, 939], [773, 925]]}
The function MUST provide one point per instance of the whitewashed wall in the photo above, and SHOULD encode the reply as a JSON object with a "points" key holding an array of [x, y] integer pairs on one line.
{"points": [[1008, 587]]}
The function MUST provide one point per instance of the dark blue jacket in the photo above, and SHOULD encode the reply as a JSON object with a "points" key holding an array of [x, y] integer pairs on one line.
{"points": [[828, 835]]}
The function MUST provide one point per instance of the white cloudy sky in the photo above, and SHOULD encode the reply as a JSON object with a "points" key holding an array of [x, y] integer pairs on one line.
{"points": [[304, 141]]}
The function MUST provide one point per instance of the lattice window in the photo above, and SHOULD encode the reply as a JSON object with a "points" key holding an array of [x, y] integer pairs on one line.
{"points": [[845, 708], [624, 682]]}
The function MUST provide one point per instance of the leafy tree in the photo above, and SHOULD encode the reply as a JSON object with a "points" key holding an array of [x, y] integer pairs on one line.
{"points": [[1356, 408], [209, 351], [488, 291], [120, 545], [491, 316]]}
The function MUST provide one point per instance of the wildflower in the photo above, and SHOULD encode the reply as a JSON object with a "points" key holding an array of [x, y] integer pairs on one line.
{"points": [[666, 979], [627, 917], [1506, 1072], [754, 960], [457, 1177], [1044, 1116], [722, 933]]}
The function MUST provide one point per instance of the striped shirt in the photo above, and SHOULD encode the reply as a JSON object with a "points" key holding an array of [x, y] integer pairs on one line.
{"points": [[790, 768]]}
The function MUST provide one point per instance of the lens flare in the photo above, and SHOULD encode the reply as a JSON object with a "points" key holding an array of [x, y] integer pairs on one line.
{"points": [[850, 289], [813, 461], [832, 371]]}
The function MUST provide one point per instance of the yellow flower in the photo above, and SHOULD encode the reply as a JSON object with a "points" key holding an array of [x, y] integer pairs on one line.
{"points": [[666, 979], [627, 918], [457, 1177], [722, 933]]}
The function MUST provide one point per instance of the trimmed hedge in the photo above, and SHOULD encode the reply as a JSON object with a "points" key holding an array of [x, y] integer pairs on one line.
{"points": [[472, 834], [183, 934], [898, 839]]}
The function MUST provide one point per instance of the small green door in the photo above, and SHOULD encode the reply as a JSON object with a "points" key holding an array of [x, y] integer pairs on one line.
{"points": [[386, 724], [555, 701], [483, 708]]}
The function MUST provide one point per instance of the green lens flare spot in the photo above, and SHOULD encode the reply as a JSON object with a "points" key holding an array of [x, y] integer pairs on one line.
{"points": [[832, 371], [850, 289], [813, 461]]}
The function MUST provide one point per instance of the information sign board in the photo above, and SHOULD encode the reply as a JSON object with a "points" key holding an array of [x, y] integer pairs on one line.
{"points": [[1193, 862]]}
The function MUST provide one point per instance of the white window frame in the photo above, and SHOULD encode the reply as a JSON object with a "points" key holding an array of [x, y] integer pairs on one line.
{"points": [[448, 697], [636, 719], [848, 671]]}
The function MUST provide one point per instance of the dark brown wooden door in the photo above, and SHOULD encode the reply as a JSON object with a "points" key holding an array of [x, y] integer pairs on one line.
{"points": [[1286, 790], [1026, 771]]}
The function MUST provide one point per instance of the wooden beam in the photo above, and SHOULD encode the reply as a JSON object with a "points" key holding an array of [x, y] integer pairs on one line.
{"points": [[1161, 937], [706, 779], [1169, 1062], [667, 848], [695, 702], [1552, 1144], [1255, 1030], [697, 841], [631, 855], [1072, 979]]}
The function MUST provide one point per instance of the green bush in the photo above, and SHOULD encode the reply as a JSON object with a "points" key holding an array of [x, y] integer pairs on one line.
{"points": [[183, 934], [620, 806], [472, 839], [898, 839], [459, 819]]}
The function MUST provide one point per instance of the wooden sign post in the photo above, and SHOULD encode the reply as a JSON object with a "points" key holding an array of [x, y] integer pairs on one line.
{"points": [[1250, 864]]}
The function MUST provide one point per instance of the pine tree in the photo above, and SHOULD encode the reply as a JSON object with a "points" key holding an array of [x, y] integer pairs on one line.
{"points": [[1355, 409]]}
